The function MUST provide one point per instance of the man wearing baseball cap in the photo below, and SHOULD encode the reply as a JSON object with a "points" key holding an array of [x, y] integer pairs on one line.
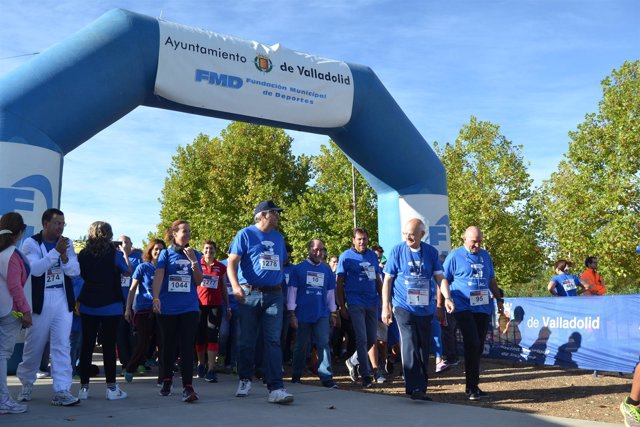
{"points": [[259, 250]]}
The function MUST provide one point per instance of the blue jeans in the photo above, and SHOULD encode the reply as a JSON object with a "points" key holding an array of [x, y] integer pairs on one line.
{"points": [[261, 310], [320, 332], [365, 326], [415, 335], [229, 329]]}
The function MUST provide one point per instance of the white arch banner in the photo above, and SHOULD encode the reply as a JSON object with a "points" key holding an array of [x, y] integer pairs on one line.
{"points": [[223, 73]]}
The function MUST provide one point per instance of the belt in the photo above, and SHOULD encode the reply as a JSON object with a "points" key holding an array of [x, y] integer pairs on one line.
{"points": [[276, 288]]}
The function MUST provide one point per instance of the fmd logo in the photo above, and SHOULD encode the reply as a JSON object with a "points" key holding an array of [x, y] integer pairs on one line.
{"points": [[213, 78], [439, 232], [22, 196]]}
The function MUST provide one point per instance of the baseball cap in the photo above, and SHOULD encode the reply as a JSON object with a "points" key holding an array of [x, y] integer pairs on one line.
{"points": [[267, 205]]}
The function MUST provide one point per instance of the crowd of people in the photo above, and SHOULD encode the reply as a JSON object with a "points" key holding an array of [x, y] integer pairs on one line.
{"points": [[252, 313]]}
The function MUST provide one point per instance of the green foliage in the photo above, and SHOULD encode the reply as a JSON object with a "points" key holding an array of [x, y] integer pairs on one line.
{"points": [[591, 204], [325, 210], [216, 183], [489, 186]]}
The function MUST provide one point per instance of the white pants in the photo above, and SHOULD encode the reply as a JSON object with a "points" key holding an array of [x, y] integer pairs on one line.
{"points": [[9, 330], [53, 325]]}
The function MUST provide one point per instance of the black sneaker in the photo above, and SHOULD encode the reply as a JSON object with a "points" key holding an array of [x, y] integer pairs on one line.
{"points": [[420, 395], [453, 362], [295, 379], [202, 371], [211, 377], [353, 370], [189, 395], [476, 394], [167, 385], [367, 382]]}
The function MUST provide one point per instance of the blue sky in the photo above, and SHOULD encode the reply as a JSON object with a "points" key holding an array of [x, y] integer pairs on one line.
{"points": [[531, 66]]}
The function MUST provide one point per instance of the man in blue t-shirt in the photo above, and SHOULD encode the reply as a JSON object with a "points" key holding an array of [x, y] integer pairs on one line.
{"points": [[408, 288], [469, 270], [312, 311], [125, 339], [260, 252], [357, 289]]}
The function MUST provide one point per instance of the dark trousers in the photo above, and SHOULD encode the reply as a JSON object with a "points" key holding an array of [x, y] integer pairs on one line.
{"points": [[473, 327], [449, 342], [415, 337], [209, 320], [108, 326], [178, 329], [144, 324], [124, 341]]}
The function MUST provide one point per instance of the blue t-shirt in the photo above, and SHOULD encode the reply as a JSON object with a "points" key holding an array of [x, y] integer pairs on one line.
{"points": [[115, 309], [413, 289], [262, 256], [566, 284], [469, 275], [144, 294], [179, 293], [135, 259], [359, 272], [312, 283]]}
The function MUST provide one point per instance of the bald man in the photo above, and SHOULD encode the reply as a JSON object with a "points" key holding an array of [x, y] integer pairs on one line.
{"points": [[409, 271], [469, 270]]}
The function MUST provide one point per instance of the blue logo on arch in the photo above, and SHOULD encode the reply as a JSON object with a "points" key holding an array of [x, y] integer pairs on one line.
{"points": [[21, 196], [439, 232]]}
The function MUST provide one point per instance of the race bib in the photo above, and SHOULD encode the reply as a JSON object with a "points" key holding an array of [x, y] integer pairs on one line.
{"points": [[479, 297], [315, 279], [270, 262], [179, 283], [569, 285], [125, 281], [370, 272], [418, 296], [54, 277], [210, 282]]}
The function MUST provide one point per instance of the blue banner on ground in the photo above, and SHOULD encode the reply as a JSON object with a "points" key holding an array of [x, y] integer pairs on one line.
{"points": [[595, 333]]}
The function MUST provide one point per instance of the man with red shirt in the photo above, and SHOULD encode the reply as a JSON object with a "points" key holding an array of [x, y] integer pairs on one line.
{"points": [[213, 301]]}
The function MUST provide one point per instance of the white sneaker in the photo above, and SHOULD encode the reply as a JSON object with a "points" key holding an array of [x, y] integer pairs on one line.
{"points": [[10, 406], [280, 396], [43, 374], [83, 394], [243, 388], [25, 394], [64, 398], [116, 394]]}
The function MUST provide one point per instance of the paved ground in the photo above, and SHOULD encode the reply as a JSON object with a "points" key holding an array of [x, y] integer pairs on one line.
{"points": [[313, 406]]}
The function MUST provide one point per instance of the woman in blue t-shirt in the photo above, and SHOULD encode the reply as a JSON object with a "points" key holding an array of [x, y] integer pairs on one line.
{"points": [[101, 304], [175, 300], [565, 284], [139, 302]]}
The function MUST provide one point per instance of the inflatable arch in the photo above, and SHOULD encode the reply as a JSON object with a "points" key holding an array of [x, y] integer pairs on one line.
{"points": [[73, 90]]}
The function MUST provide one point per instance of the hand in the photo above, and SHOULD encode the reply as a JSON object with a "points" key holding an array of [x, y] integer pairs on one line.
{"points": [[344, 313], [293, 321], [127, 315], [61, 247], [332, 321], [449, 305], [238, 294], [386, 315], [156, 306], [26, 320], [229, 314], [189, 253]]}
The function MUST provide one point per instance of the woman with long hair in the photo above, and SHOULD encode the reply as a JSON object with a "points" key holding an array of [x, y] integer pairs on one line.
{"points": [[139, 310], [15, 311], [101, 304], [175, 300]]}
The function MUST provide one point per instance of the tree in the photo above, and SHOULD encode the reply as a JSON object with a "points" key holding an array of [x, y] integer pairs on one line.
{"points": [[489, 186], [592, 202], [216, 183], [325, 210]]}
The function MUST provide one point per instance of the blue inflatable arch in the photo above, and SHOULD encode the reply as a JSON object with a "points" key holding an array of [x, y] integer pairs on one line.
{"points": [[109, 68]]}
